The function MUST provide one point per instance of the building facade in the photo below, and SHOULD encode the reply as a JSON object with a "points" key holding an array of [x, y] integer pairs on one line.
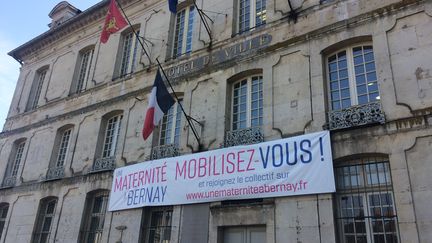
{"points": [[268, 70]]}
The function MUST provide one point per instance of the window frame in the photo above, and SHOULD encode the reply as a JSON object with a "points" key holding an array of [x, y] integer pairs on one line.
{"points": [[129, 52], [41, 218], [351, 76], [4, 210], [15, 159], [252, 15], [249, 93], [36, 88], [82, 72], [148, 220], [186, 31], [173, 116], [61, 147], [360, 183], [88, 215], [109, 145]]}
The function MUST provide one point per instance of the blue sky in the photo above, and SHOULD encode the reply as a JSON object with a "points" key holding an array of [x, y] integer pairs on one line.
{"points": [[20, 21]]}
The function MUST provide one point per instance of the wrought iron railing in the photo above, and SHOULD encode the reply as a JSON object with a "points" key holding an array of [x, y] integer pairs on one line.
{"points": [[103, 164], [9, 181], [356, 116], [164, 151], [245, 136], [54, 173]]}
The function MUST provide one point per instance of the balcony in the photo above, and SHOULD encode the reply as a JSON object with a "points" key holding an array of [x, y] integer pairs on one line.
{"points": [[245, 136], [358, 115], [164, 151], [104, 164], [55, 173], [9, 181]]}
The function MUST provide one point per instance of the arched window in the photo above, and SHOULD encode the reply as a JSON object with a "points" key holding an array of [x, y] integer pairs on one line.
{"points": [[111, 125], [183, 33], [60, 152], [4, 208], [94, 216], [170, 127], [108, 141], [36, 88], [251, 14], [128, 52], [44, 220], [366, 209], [352, 76], [82, 70], [15, 159]]}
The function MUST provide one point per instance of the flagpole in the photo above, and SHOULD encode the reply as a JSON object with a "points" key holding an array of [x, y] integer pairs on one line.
{"points": [[204, 23], [166, 77]]}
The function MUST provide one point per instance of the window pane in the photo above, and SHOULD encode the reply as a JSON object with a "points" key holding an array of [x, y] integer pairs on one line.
{"points": [[333, 76], [372, 87], [334, 85], [359, 69], [361, 79], [363, 99], [346, 103], [361, 89], [345, 93], [190, 29], [371, 77], [358, 60], [333, 66], [344, 83], [47, 224], [369, 57], [244, 15], [260, 13], [370, 67], [179, 33], [343, 73]]}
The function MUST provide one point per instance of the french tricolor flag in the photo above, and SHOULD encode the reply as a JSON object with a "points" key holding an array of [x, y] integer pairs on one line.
{"points": [[159, 103]]}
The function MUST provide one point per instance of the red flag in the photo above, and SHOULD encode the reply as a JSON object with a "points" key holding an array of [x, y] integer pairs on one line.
{"points": [[114, 22]]}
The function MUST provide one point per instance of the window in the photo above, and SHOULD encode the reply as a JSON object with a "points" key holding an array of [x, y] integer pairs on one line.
{"points": [[128, 52], [365, 203], [83, 70], [112, 131], [170, 128], [158, 226], [251, 14], [63, 147], [352, 77], [244, 234], [94, 217], [59, 154], [183, 31], [247, 103], [14, 162], [4, 207], [44, 220], [36, 89]]}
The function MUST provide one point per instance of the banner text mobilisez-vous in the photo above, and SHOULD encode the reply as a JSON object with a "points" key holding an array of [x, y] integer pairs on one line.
{"points": [[286, 167]]}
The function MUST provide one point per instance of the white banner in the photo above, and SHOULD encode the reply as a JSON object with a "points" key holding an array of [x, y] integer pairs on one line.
{"points": [[287, 167]]}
